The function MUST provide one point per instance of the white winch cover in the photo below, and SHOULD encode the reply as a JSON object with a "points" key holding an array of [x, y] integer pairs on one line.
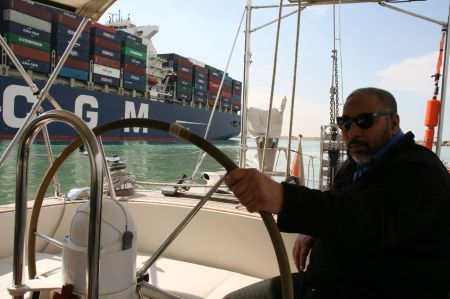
{"points": [[117, 268], [257, 122]]}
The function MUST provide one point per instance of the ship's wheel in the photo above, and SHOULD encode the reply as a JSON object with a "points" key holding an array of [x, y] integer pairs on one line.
{"points": [[173, 129]]}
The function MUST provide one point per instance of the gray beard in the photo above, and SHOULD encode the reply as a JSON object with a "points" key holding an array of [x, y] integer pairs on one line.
{"points": [[362, 159]]}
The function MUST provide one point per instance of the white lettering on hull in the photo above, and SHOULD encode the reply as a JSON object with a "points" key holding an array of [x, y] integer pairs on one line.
{"points": [[130, 112], [10, 94], [92, 117]]}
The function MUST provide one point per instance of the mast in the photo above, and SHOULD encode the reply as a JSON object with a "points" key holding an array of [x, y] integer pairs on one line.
{"points": [[247, 57], [443, 89]]}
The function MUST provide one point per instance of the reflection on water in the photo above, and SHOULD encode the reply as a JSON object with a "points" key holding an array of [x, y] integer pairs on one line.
{"points": [[152, 162], [155, 162]]}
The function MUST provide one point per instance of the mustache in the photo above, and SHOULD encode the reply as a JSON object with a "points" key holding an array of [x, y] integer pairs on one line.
{"points": [[357, 142]]}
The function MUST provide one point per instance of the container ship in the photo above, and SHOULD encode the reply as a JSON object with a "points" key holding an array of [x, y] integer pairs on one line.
{"points": [[113, 72]]}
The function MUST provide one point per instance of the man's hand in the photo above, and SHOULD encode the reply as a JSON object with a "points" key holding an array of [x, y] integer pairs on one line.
{"points": [[301, 250], [255, 190]]}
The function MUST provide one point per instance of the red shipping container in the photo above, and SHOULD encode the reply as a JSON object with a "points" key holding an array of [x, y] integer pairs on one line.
{"points": [[97, 59], [213, 85], [75, 63], [31, 53], [236, 102], [226, 94], [103, 27], [110, 45], [216, 80], [28, 8], [127, 67], [200, 69], [69, 20], [178, 59], [184, 76], [227, 89]]}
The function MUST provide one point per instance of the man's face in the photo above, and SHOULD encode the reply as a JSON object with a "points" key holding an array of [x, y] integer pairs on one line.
{"points": [[363, 143]]}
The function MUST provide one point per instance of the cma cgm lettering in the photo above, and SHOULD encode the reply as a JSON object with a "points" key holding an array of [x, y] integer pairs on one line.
{"points": [[97, 108]]}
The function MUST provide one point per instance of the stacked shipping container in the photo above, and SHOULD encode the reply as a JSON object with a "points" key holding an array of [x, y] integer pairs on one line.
{"points": [[200, 84], [236, 95], [225, 94], [105, 55], [134, 61], [183, 80], [39, 35], [27, 28], [64, 25], [214, 79]]}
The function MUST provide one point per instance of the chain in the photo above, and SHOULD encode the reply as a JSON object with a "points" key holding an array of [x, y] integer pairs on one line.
{"points": [[333, 150]]}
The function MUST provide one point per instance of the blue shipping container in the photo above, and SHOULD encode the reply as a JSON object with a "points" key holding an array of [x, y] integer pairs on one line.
{"points": [[8, 26], [69, 72], [105, 80], [200, 81], [65, 40], [129, 36], [236, 97], [95, 31], [58, 28], [184, 96], [198, 99], [80, 55], [200, 76], [133, 85], [33, 65], [127, 59], [96, 50], [225, 104], [201, 87], [140, 79]]}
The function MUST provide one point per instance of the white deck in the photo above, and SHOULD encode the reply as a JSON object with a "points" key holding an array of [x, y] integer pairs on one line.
{"points": [[222, 249], [184, 279]]}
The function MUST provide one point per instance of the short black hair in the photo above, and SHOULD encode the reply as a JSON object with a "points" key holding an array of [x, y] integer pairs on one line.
{"points": [[385, 97]]}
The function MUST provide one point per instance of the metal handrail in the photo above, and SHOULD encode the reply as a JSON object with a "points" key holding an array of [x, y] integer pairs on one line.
{"points": [[96, 161]]}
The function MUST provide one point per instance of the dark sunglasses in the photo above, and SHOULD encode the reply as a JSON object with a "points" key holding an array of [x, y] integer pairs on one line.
{"points": [[364, 121]]}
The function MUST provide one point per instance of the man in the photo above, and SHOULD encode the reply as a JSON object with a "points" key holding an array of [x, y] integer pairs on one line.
{"points": [[384, 230]]}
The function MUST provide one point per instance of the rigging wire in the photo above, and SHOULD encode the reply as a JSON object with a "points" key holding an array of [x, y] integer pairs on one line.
{"points": [[202, 154], [272, 88], [294, 82]]}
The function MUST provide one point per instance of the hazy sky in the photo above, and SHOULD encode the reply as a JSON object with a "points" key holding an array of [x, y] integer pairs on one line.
{"points": [[379, 47]]}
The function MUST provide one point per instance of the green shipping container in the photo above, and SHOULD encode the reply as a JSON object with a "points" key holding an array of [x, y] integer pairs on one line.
{"points": [[184, 89], [135, 53], [27, 41], [135, 45]]}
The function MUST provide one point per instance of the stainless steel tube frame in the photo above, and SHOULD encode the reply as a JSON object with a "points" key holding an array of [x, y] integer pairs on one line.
{"points": [[96, 161]]}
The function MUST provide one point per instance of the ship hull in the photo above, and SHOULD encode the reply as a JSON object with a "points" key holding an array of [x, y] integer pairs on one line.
{"points": [[97, 108]]}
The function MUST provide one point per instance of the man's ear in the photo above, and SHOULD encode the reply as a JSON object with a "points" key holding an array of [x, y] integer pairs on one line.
{"points": [[395, 124]]}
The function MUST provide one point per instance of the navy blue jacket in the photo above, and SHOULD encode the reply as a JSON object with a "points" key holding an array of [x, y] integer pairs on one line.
{"points": [[385, 235]]}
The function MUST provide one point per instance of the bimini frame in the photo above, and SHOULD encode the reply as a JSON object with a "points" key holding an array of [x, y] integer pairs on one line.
{"points": [[302, 4]]}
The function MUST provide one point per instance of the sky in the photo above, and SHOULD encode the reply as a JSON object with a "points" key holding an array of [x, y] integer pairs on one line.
{"points": [[376, 46]]}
